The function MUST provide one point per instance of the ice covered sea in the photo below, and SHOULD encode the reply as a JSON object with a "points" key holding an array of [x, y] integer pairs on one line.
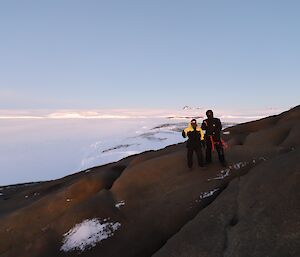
{"points": [[44, 145]]}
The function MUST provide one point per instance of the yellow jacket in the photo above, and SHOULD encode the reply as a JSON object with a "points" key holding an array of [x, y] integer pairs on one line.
{"points": [[191, 129]]}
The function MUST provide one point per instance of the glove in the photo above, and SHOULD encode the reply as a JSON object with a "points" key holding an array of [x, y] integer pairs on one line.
{"points": [[183, 134]]}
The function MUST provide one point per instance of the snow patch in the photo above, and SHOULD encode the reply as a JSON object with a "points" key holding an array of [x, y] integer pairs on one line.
{"points": [[239, 165], [1, 194], [87, 234], [226, 172], [204, 195], [120, 204], [226, 132], [223, 174]]}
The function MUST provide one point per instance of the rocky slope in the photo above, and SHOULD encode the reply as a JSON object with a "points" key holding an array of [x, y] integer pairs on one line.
{"points": [[151, 204]]}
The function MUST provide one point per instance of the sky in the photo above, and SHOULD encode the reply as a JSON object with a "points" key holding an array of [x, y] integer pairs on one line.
{"points": [[70, 54]]}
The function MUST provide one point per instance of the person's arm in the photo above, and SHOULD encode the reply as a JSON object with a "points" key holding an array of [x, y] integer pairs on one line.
{"points": [[201, 134], [183, 134], [219, 124], [202, 138], [204, 125]]}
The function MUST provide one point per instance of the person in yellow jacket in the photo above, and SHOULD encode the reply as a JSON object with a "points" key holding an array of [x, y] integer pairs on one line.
{"points": [[195, 142]]}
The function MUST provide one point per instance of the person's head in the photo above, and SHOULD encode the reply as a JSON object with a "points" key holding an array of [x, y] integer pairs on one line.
{"points": [[194, 123], [209, 114]]}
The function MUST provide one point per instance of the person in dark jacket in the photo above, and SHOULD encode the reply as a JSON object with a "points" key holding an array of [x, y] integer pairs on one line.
{"points": [[213, 128], [195, 142]]}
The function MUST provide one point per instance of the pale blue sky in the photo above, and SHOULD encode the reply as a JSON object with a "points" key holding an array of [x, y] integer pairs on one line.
{"points": [[149, 54]]}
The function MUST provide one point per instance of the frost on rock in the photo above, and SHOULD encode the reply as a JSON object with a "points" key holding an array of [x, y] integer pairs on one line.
{"points": [[204, 195], [239, 165], [223, 174], [120, 204], [226, 172], [88, 233], [208, 194]]}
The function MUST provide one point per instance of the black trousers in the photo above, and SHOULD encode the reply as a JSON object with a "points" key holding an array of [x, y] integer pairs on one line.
{"points": [[190, 152], [218, 147]]}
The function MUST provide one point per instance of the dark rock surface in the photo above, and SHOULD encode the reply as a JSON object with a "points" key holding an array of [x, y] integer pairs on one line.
{"points": [[256, 215], [250, 208]]}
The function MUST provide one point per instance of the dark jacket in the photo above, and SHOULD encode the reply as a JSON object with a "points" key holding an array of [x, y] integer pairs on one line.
{"points": [[195, 136], [212, 127]]}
